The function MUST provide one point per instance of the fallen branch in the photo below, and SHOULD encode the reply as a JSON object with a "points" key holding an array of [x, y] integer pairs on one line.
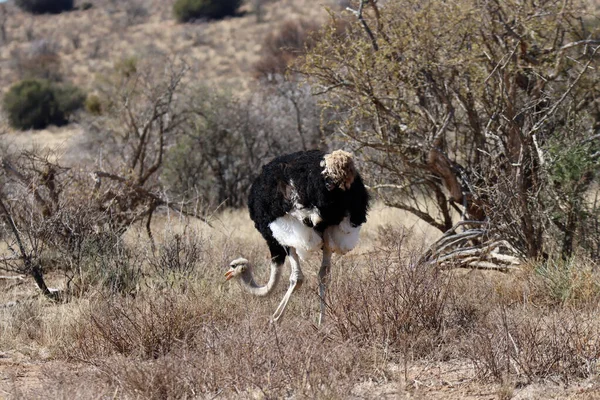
{"points": [[12, 277], [472, 248]]}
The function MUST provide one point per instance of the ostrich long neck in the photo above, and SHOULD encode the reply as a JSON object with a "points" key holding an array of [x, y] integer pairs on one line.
{"points": [[248, 283]]}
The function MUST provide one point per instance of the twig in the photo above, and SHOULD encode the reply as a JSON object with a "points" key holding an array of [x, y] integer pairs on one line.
{"points": [[359, 15], [388, 186], [31, 267], [12, 277], [580, 43], [550, 112]]}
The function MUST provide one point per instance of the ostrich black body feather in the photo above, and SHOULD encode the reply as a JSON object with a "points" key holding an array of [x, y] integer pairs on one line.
{"points": [[297, 178]]}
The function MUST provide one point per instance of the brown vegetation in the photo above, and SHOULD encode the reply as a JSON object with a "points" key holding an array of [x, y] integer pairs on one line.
{"points": [[186, 334], [115, 244]]}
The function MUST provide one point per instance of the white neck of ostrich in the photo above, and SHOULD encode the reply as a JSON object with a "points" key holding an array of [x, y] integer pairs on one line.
{"points": [[248, 283]]}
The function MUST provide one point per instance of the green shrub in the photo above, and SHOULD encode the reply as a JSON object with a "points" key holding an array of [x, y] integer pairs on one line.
{"points": [[187, 10], [36, 103], [45, 6], [93, 104]]}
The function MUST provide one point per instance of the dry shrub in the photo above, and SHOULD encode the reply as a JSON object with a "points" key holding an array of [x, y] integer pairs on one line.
{"points": [[532, 344], [539, 324], [393, 304], [176, 346], [146, 327], [573, 282], [178, 257], [229, 138], [105, 262], [282, 46], [40, 61], [246, 359], [291, 40], [472, 296]]}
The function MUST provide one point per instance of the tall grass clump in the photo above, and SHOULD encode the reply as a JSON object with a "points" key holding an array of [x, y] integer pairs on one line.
{"points": [[571, 282]]}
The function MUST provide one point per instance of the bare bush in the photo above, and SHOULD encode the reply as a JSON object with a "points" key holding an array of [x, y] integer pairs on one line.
{"points": [[227, 140], [136, 12], [394, 304], [40, 61], [533, 346], [178, 257], [79, 215], [282, 46], [149, 328]]}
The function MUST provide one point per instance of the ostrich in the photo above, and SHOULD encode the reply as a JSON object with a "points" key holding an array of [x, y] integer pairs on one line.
{"points": [[300, 203]]}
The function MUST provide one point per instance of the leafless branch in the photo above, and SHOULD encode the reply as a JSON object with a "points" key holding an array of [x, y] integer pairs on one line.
{"points": [[359, 15]]}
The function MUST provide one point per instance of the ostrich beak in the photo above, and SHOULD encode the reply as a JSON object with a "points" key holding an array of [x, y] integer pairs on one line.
{"points": [[229, 274]]}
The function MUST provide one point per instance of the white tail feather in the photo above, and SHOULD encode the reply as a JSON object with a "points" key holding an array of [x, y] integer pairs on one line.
{"points": [[289, 231]]}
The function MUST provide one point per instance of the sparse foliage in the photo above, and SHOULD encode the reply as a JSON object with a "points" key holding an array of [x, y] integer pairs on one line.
{"points": [[227, 140], [142, 117]]}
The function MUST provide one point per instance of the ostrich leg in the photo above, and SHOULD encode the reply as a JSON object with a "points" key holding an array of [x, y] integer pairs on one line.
{"points": [[296, 279], [324, 277]]}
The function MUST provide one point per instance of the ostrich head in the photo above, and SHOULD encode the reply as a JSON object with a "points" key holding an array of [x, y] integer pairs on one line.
{"points": [[338, 169], [239, 268]]}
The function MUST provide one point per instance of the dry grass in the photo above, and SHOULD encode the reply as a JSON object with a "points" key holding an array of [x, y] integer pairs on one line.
{"points": [[392, 328]]}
